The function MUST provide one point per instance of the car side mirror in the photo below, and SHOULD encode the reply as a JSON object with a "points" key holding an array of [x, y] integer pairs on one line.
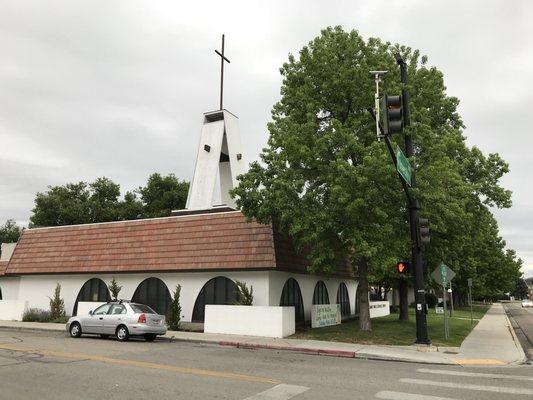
{"points": [[91, 312]]}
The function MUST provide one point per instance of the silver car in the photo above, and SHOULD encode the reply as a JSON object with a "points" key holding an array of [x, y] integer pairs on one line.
{"points": [[120, 318]]}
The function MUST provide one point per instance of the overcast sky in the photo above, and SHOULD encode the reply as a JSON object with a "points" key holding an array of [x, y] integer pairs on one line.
{"points": [[118, 88]]}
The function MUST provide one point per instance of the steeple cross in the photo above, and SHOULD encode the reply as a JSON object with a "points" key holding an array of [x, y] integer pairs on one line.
{"points": [[222, 59]]}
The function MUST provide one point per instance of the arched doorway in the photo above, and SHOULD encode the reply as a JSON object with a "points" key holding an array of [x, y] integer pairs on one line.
{"points": [[357, 300], [219, 290], [320, 295], [291, 296], [154, 293], [0, 293], [343, 299], [94, 289]]}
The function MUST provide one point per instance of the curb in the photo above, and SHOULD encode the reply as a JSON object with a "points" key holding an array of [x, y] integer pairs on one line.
{"points": [[517, 343], [30, 328]]}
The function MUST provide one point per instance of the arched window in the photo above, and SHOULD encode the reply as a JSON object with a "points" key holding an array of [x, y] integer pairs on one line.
{"points": [[219, 290], [320, 295], [291, 296], [343, 299], [93, 290], [154, 293]]}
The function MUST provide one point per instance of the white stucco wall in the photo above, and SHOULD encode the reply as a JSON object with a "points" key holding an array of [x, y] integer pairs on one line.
{"points": [[269, 321], [307, 285], [267, 287], [12, 310]]}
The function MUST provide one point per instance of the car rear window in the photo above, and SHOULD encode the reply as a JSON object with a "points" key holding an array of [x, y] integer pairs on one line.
{"points": [[142, 308]]}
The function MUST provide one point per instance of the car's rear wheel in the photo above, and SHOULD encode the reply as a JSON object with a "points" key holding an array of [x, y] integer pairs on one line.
{"points": [[75, 330], [122, 333], [150, 337]]}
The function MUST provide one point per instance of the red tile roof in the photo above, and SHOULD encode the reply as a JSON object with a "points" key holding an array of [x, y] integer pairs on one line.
{"points": [[220, 241], [3, 266]]}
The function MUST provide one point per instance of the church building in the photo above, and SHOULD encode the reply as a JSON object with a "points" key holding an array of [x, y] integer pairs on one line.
{"points": [[205, 248]]}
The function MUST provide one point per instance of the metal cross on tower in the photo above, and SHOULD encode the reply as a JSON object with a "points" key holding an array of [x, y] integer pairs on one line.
{"points": [[222, 59]]}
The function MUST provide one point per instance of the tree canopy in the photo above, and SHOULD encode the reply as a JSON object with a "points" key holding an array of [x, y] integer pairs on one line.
{"points": [[10, 232], [100, 201], [332, 185]]}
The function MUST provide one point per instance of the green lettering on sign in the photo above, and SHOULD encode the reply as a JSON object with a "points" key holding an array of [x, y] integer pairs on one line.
{"points": [[403, 166]]}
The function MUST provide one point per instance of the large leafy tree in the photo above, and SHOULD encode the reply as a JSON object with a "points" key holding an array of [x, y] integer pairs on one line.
{"points": [[331, 184], [100, 201], [162, 194], [10, 232]]}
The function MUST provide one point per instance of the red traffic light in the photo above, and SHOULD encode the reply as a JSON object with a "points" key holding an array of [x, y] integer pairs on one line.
{"points": [[403, 267]]}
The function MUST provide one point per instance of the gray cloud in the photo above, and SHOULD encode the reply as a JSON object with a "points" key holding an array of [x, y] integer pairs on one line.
{"points": [[117, 89]]}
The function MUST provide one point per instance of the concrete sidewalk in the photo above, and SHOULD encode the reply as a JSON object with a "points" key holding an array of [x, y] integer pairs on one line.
{"points": [[492, 342]]}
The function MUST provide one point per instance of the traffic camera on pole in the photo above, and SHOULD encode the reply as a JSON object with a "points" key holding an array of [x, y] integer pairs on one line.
{"points": [[403, 267], [392, 120], [423, 234]]}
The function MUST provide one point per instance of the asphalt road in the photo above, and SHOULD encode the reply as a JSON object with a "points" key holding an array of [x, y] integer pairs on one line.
{"points": [[46, 365], [522, 320]]}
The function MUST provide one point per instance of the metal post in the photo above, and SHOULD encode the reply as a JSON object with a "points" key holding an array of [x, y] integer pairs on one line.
{"points": [[446, 333], [470, 301], [451, 299], [414, 207]]}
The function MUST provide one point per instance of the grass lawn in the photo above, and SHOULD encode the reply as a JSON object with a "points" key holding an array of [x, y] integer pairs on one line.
{"points": [[389, 330]]}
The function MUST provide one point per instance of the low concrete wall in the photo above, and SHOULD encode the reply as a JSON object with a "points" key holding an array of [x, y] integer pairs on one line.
{"points": [[266, 321], [379, 309], [85, 306], [12, 310]]}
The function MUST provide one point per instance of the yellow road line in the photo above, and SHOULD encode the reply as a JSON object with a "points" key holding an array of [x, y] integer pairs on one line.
{"points": [[477, 361], [143, 364]]}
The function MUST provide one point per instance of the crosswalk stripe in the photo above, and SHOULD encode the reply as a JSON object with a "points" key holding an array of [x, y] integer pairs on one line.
{"points": [[474, 374], [388, 395], [279, 392], [496, 389]]}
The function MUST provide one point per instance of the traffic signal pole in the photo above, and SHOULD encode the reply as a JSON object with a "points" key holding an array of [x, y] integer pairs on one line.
{"points": [[414, 208]]}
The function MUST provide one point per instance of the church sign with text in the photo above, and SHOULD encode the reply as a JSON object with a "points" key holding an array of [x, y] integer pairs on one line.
{"points": [[325, 315]]}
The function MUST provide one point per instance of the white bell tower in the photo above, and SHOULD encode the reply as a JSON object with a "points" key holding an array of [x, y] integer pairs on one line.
{"points": [[219, 152]]}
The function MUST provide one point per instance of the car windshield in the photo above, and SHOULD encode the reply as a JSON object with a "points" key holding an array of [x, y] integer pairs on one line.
{"points": [[141, 308]]}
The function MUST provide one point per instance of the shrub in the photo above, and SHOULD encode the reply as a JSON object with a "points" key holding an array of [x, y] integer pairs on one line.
{"points": [[57, 305], [245, 297], [174, 315], [431, 300], [115, 289], [39, 315], [36, 315]]}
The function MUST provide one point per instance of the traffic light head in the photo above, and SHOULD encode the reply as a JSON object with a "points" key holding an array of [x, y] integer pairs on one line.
{"points": [[403, 267], [392, 119], [423, 234]]}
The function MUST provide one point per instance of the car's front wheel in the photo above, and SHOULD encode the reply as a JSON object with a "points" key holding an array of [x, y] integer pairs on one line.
{"points": [[122, 333], [75, 330], [150, 337]]}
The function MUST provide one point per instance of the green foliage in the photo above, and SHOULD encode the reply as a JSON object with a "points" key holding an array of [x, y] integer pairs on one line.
{"points": [[431, 300], [162, 194], [174, 315], [99, 201], [10, 232], [57, 305], [520, 290], [245, 296], [115, 289], [332, 186], [38, 315]]}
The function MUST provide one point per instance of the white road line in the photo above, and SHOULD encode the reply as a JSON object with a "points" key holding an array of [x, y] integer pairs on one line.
{"points": [[474, 374], [387, 395], [484, 388], [279, 392]]}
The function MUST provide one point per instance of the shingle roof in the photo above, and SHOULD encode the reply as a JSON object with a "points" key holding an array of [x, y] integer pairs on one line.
{"points": [[220, 241]]}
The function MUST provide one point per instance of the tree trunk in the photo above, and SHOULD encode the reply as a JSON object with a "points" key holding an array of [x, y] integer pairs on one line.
{"points": [[362, 293], [403, 290]]}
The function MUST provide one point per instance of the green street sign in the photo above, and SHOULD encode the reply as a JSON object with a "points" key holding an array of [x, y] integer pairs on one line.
{"points": [[403, 166], [443, 274]]}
